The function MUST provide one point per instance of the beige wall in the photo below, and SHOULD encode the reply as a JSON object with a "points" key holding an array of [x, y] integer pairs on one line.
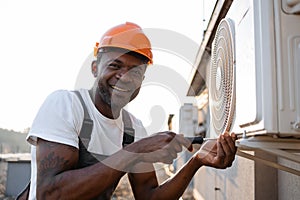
{"points": [[248, 180], [235, 183], [288, 184]]}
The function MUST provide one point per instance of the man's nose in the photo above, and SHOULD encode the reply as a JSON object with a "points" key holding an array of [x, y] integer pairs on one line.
{"points": [[123, 75]]}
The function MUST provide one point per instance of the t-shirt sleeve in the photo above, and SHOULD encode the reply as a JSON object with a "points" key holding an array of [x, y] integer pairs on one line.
{"points": [[59, 119]]}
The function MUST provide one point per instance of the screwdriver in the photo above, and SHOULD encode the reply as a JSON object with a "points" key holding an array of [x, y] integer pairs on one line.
{"points": [[198, 139]]}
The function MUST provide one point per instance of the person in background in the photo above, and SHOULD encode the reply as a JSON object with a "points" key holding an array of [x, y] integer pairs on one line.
{"points": [[68, 165]]}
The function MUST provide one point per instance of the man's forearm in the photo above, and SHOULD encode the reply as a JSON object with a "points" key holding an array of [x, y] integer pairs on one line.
{"points": [[177, 184], [88, 182]]}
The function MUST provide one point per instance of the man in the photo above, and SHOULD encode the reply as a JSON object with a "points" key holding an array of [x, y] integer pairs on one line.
{"points": [[58, 169]]}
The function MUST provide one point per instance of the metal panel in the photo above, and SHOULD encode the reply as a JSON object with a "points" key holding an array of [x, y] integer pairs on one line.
{"points": [[18, 175]]}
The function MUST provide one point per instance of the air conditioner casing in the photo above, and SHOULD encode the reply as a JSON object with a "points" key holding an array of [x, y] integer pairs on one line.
{"points": [[267, 68]]}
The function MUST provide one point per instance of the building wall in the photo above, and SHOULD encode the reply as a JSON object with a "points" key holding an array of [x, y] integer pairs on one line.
{"points": [[248, 180], [288, 184], [234, 183]]}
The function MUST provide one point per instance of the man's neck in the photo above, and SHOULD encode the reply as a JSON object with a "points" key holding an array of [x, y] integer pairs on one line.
{"points": [[104, 108]]}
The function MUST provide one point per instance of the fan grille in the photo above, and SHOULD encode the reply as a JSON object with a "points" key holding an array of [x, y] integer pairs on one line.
{"points": [[222, 80]]}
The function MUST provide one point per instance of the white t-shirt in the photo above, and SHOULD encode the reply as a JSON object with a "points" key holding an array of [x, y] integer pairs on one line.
{"points": [[60, 118]]}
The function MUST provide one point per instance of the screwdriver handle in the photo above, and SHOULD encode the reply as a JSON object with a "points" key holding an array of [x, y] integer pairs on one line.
{"points": [[195, 140]]}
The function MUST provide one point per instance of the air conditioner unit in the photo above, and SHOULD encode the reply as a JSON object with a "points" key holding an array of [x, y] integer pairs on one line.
{"points": [[188, 120], [254, 78]]}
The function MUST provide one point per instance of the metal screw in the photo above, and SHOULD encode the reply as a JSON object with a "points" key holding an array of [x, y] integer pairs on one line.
{"points": [[297, 126]]}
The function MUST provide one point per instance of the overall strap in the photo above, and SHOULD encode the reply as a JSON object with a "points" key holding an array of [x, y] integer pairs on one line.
{"points": [[87, 124], [129, 133]]}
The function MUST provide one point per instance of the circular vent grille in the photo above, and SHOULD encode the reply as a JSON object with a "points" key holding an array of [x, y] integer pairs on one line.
{"points": [[222, 80]]}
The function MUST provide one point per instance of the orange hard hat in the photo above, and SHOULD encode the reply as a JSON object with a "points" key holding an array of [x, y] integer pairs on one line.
{"points": [[128, 36]]}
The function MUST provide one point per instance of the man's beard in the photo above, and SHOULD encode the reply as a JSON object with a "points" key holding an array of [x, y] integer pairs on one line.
{"points": [[113, 101]]}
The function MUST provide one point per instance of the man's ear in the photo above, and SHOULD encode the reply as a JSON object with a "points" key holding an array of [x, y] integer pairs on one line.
{"points": [[94, 68]]}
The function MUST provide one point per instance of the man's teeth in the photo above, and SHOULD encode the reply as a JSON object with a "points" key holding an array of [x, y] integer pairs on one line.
{"points": [[119, 89]]}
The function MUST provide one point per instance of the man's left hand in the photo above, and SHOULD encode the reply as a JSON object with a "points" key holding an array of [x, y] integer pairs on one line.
{"points": [[219, 153]]}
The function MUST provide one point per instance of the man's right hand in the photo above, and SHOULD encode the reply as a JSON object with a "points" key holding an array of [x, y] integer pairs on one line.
{"points": [[160, 147]]}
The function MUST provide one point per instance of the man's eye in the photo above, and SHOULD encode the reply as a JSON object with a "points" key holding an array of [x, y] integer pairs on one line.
{"points": [[136, 72], [114, 66]]}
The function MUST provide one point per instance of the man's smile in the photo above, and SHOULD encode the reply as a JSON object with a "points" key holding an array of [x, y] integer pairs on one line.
{"points": [[119, 89]]}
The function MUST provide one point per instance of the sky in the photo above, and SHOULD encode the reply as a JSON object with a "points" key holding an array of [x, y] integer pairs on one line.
{"points": [[45, 45]]}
